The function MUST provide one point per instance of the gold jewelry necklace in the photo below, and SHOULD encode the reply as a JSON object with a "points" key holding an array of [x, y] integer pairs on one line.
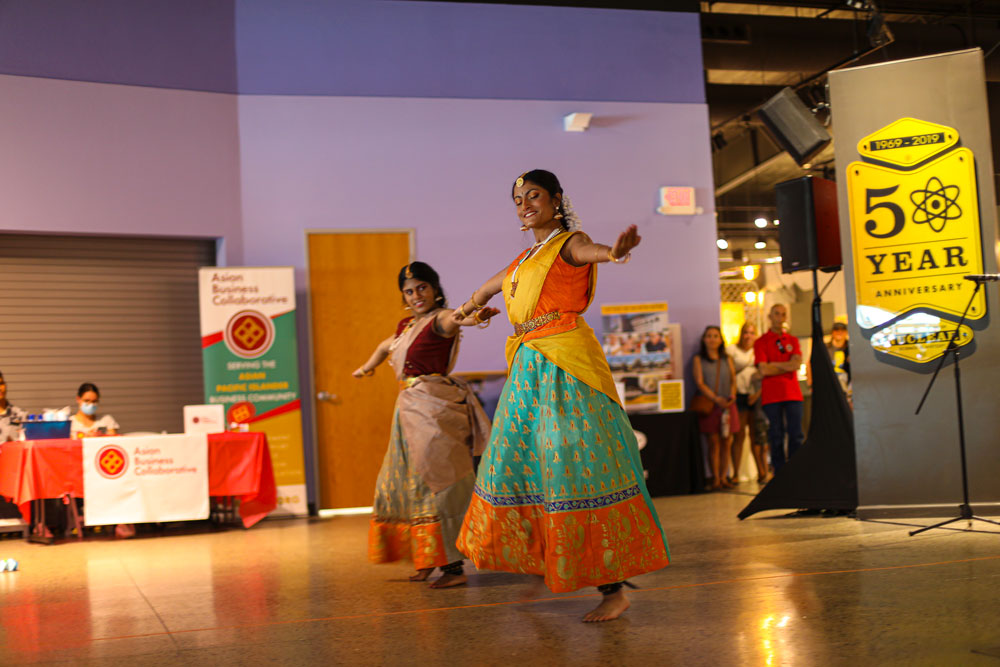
{"points": [[541, 244]]}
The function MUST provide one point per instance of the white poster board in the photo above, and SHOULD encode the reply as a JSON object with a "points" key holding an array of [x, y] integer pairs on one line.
{"points": [[145, 479], [204, 419]]}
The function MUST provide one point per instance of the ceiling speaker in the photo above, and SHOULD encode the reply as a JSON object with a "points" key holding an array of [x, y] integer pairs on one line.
{"points": [[793, 126]]}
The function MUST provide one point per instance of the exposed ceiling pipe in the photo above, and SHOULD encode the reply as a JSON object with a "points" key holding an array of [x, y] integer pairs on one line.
{"points": [[750, 173]]}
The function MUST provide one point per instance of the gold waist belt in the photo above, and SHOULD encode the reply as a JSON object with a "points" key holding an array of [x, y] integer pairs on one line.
{"points": [[535, 323], [408, 382]]}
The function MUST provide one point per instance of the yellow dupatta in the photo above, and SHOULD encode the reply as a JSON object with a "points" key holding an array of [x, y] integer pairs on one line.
{"points": [[576, 351]]}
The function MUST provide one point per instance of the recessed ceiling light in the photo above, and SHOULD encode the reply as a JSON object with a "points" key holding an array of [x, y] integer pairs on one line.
{"points": [[760, 222], [760, 244], [722, 243]]}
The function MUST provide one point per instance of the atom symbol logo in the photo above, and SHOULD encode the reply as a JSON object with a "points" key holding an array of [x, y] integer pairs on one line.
{"points": [[936, 204]]}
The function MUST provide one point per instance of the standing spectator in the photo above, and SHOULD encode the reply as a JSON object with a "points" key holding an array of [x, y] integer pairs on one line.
{"points": [[10, 416], [840, 353], [714, 376], [778, 358], [747, 400]]}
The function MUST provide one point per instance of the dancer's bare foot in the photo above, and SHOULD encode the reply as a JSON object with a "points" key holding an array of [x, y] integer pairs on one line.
{"points": [[450, 580], [611, 607], [421, 574]]}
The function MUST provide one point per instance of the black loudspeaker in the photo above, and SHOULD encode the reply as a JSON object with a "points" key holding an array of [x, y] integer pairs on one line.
{"points": [[793, 126], [809, 234]]}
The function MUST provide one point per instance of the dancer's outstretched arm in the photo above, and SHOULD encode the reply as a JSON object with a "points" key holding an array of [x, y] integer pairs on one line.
{"points": [[378, 356], [447, 322], [580, 249], [475, 304]]}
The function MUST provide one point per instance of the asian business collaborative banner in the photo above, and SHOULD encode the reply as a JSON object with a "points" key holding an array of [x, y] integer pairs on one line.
{"points": [[145, 479], [250, 354]]}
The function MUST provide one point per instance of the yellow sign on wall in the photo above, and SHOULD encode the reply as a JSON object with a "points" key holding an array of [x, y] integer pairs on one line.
{"points": [[914, 216], [671, 396], [916, 233], [920, 338], [907, 142]]}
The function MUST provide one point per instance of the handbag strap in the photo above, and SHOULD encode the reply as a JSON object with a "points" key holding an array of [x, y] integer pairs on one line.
{"points": [[718, 370]]}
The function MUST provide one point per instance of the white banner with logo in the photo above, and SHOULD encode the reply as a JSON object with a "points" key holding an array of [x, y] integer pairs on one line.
{"points": [[249, 344], [145, 479]]}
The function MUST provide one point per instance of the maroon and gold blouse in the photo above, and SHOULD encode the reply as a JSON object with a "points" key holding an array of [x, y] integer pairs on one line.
{"points": [[429, 353]]}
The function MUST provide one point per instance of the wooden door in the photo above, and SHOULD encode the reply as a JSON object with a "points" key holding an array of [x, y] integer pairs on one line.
{"points": [[355, 303]]}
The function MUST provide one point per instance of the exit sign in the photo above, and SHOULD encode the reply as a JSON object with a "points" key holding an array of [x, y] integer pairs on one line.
{"points": [[677, 200]]}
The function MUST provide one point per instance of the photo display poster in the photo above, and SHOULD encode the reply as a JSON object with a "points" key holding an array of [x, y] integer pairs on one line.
{"points": [[643, 349]]}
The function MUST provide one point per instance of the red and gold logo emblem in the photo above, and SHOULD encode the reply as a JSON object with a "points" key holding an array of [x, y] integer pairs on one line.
{"points": [[249, 334], [112, 461], [241, 412]]}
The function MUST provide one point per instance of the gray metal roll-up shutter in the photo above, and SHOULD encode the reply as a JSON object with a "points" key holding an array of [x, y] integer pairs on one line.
{"points": [[119, 312]]}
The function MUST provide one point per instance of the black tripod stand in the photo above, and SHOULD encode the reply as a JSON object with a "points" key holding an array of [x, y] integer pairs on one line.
{"points": [[964, 510]]}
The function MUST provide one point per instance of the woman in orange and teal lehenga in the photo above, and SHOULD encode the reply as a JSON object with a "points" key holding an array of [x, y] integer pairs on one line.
{"points": [[426, 480], [560, 491]]}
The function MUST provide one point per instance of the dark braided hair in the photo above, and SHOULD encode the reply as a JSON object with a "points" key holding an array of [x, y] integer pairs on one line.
{"points": [[548, 182], [424, 272]]}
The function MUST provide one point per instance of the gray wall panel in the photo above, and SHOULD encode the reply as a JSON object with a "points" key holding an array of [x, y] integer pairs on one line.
{"points": [[119, 312], [909, 463]]}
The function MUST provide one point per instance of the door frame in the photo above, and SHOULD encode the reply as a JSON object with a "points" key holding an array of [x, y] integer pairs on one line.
{"points": [[314, 436]]}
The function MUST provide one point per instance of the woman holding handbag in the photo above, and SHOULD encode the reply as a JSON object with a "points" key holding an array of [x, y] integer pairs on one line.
{"points": [[715, 377]]}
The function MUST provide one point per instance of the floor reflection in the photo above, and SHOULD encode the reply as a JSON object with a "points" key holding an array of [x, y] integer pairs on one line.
{"points": [[762, 591]]}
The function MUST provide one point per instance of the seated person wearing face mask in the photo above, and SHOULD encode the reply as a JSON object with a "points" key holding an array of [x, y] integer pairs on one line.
{"points": [[86, 422]]}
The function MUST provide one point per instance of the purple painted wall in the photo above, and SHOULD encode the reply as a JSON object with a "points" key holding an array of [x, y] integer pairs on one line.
{"points": [[430, 49], [163, 43], [444, 167], [359, 47], [106, 159], [357, 146]]}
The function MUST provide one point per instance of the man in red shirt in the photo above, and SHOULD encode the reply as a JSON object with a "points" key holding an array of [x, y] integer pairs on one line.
{"points": [[778, 358]]}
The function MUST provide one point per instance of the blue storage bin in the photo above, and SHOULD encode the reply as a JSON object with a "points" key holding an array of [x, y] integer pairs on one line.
{"points": [[46, 430]]}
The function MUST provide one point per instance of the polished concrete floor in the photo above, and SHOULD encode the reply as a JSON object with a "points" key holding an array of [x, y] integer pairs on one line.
{"points": [[771, 590]]}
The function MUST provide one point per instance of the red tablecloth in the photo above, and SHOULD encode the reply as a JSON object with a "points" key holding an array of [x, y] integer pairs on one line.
{"points": [[239, 464]]}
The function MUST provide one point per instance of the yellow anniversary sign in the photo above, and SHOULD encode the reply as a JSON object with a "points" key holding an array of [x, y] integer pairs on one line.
{"points": [[919, 338], [915, 234], [907, 142]]}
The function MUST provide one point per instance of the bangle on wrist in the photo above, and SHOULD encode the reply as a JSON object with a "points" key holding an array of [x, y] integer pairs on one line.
{"points": [[619, 260]]}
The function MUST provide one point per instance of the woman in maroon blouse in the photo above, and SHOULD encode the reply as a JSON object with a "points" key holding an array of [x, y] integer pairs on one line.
{"points": [[427, 477]]}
